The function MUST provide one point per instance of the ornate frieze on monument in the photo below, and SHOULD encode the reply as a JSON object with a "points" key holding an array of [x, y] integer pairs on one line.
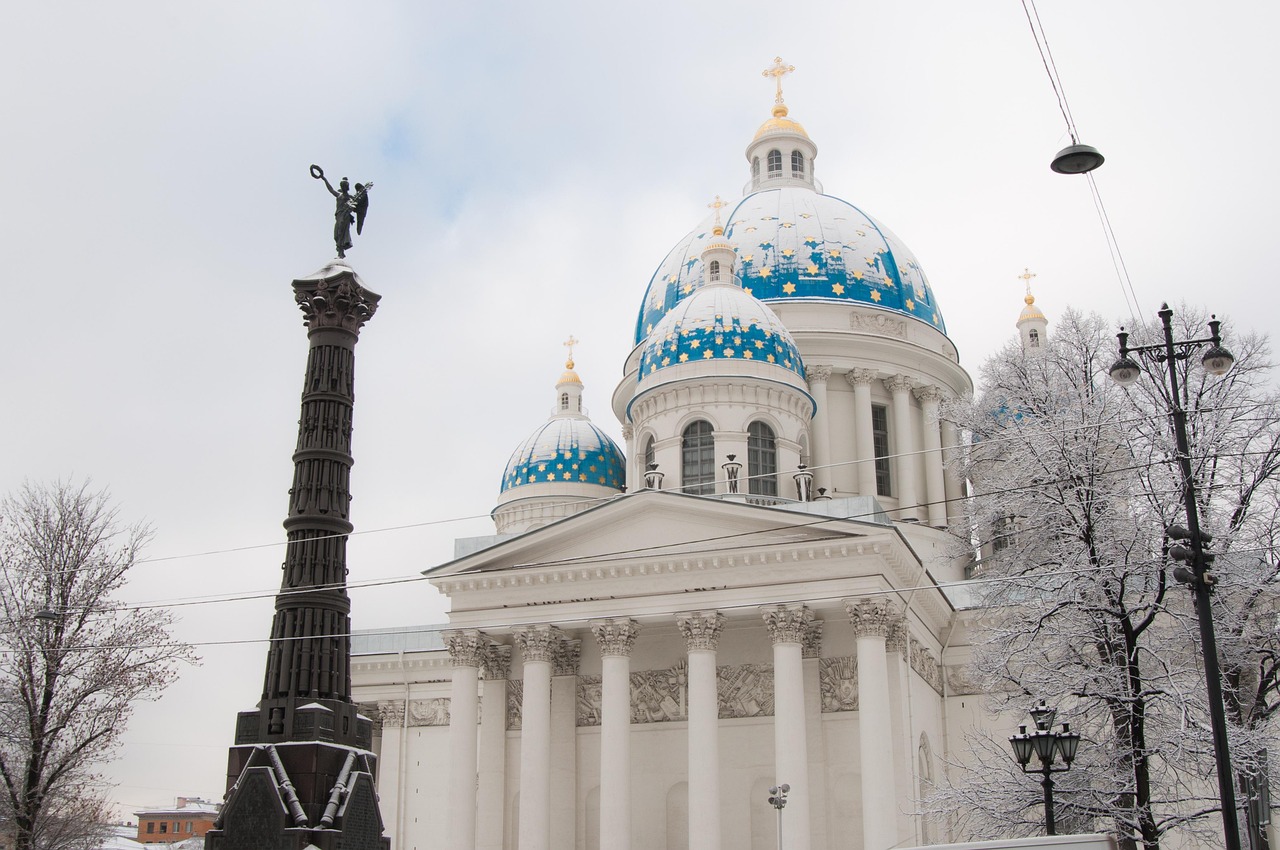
{"points": [[924, 663]]}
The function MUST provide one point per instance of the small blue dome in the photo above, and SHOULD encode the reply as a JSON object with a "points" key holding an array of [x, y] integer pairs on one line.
{"points": [[796, 244], [720, 322], [566, 450]]}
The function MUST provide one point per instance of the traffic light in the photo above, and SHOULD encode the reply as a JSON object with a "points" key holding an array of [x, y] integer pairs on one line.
{"points": [[1180, 550]]}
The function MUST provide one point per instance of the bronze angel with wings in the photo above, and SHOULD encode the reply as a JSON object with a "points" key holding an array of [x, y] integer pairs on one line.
{"points": [[350, 208]]}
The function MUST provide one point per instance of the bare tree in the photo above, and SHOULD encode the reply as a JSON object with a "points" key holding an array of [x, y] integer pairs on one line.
{"points": [[74, 662], [1075, 484]]}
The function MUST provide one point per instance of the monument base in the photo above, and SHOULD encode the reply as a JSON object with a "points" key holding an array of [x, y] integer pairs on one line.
{"points": [[297, 795]]}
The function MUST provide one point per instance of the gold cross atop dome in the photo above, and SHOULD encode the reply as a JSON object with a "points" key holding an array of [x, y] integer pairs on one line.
{"points": [[569, 344], [718, 205], [778, 70], [1025, 277]]}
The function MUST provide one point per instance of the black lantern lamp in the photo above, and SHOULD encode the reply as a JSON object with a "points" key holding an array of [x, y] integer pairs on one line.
{"points": [[1047, 746]]}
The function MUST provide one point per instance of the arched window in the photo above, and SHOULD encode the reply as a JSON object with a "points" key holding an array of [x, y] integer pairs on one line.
{"points": [[1033, 336], [698, 459], [564, 401], [713, 270], [880, 449], [797, 164], [775, 163], [762, 460], [650, 456]]}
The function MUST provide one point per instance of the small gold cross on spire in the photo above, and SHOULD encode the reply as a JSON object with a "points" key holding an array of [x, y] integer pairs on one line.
{"points": [[718, 205], [569, 344], [1025, 277], [778, 70]]}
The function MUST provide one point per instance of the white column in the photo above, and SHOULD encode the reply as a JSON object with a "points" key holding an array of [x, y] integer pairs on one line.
{"points": [[951, 482], [871, 619], [701, 632], [811, 653], [935, 490], [537, 649], [899, 386], [898, 666], [616, 638], [492, 785], [864, 442], [467, 649], [820, 455], [787, 625], [564, 744]]}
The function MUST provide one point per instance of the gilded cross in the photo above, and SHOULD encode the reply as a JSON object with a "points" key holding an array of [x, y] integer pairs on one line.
{"points": [[718, 205], [777, 70], [1025, 277], [569, 344]]}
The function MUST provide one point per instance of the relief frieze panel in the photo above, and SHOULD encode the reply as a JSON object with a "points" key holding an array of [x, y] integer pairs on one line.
{"points": [[838, 683]]}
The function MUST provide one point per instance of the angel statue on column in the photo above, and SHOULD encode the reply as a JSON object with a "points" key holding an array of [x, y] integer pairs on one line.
{"points": [[350, 207]]}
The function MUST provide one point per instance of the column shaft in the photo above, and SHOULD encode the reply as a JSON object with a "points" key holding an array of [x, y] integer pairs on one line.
{"points": [[787, 626], [875, 731], [951, 483], [864, 441], [702, 633], [820, 449], [905, 450], [536, 646], [616, 638], [935, 490], [492, 761], [463, 746]]}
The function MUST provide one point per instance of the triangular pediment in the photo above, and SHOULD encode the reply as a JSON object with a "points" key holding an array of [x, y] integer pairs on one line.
{"points": [[654, 524]]}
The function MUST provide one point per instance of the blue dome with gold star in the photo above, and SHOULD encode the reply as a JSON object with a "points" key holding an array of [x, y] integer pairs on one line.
{"points": [[796, 244], [566, 450], [720, 322]]}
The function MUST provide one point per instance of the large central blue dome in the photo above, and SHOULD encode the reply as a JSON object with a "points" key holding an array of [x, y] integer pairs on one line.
{"points": [[794, 243]]}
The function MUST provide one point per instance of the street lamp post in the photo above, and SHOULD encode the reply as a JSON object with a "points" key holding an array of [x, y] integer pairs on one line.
{"points": [[1046, 745], [778, 799], [1217, 361]]}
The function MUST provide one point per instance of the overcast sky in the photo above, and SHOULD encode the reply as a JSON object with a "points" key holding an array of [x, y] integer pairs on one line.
{"points": [[533, 164]]}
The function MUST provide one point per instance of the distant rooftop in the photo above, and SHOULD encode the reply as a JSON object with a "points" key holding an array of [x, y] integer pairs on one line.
{"points": [[397, 639]]}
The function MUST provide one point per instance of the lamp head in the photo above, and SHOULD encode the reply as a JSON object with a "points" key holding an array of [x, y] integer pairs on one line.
{"points": [[1076, 159], [1125, 371]]}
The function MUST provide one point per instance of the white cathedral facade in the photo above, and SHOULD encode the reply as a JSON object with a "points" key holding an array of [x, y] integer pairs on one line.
{"points": [[748, 595]]}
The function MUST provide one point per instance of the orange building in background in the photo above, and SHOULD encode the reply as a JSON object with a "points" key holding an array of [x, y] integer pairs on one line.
{"points": [[190, 817]]}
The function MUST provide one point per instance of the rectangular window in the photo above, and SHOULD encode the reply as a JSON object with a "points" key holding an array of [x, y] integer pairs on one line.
{"points": [[189, 827], [880, 447], [164, 826], [151, 827]]}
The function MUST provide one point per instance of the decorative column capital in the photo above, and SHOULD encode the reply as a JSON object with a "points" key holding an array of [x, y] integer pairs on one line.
{"points": [[787, 623], [817, 374], [335, 298], [898, 384], [467, 647], [929, 394], [811, 640], [701, 629], [538, 643], [567, 654], [627, 431], [497, 661], [896, 639], [616, 636], [857, 377], [870, 616]]}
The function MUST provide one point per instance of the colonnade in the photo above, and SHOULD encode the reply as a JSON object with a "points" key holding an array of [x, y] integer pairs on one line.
{"points": [[796, 636], [911, 454]]}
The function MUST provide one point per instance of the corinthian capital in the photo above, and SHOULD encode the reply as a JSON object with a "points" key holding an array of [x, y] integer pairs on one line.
{"points": [[538, 643], [467, 647], [860, 376], [497, 661], [335, 298], [896, 639], [928, 394], [701, 629], [897, 384], [811, 640], [870, 616], [787, 623], [818, 374], [616, 636], [568, 652]]}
